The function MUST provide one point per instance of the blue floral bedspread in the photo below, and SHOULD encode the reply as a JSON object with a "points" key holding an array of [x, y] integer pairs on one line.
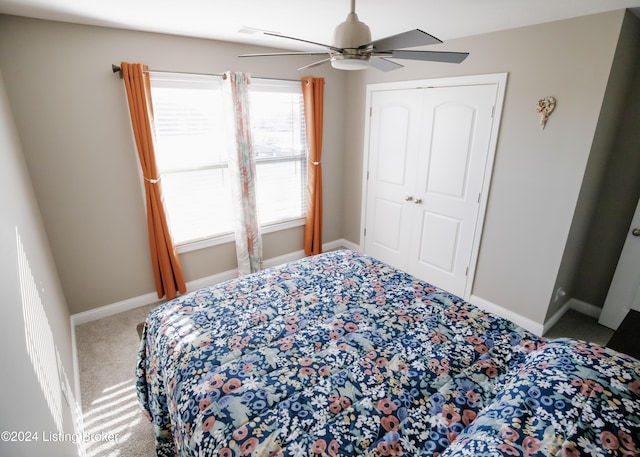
{"points": [[340, 354]]}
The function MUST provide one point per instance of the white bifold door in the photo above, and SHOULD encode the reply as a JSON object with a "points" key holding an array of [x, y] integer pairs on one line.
{"points": [[428, 166]]}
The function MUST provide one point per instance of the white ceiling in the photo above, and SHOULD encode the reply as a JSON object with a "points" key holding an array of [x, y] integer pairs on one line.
{"points": [[313, 21]]}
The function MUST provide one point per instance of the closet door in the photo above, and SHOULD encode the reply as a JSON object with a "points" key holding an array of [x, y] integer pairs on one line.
{"points": [[452, 157], [394, 138]]}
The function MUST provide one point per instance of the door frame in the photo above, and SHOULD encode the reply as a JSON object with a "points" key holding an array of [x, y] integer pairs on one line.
{"points": [[500, 79]]}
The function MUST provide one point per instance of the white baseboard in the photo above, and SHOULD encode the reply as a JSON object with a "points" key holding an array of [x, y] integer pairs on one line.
{"points": [[575, 304], [76, 371], [115, 308], [150, 298], [147, 299], [342, 243], [533, 326], [553, 320], [584, 307], [524, 322]]}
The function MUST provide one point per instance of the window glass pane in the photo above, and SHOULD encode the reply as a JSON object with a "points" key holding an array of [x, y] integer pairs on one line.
{"points": [[190, 129], [198, 204], [280, 190], [277, 124]]}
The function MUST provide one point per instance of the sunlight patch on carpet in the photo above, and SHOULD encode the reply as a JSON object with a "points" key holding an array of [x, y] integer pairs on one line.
{"points": [[110, 418]]}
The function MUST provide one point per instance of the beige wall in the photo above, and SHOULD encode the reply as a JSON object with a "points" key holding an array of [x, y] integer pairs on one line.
{"points": [[23, 404], [72, 117], [538, 173], [616, 159]]}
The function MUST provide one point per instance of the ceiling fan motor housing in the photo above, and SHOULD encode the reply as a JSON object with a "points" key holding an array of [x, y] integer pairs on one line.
{"points": [[351, 34]]}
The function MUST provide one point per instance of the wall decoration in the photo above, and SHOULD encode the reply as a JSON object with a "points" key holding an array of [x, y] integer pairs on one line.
{"points": [[545, 107]]}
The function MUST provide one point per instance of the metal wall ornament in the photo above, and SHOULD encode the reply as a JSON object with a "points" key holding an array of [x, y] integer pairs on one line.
{"points": [[545, 107]]}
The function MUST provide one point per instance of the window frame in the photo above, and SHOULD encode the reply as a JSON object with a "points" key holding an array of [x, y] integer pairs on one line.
{"points": [[276, 85]]}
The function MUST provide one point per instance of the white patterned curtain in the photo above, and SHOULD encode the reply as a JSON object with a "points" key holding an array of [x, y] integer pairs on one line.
{"points": [[242, 171]]}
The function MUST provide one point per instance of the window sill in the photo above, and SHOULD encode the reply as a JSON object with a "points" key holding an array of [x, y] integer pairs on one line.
{"points": [[230, 237]]}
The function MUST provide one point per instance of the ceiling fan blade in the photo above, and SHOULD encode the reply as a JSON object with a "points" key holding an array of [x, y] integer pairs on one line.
{"points": [[315, 64], [292, 53], [384, 64], [305, 41], [430, 56], [409, 39]]}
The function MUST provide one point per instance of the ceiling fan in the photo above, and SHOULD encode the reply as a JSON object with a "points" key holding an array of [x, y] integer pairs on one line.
{"points": [[353, 49]]}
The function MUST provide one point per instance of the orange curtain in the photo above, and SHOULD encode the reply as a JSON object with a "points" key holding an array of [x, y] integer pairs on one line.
{"points": [[313, 95], [166, 265]]}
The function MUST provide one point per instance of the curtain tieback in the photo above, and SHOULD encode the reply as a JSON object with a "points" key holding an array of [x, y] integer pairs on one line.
{"points": [[152, 181], [316, 163]]}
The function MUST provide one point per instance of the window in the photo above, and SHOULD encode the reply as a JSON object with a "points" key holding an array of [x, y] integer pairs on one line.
{"points": [[191, 151]]}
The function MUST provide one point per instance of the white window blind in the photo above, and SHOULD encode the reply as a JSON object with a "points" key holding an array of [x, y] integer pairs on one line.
{"points": [[193, 143], [279, 141]]}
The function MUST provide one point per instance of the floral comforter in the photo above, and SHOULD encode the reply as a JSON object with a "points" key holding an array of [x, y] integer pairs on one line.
{"points": [[340, 354]]}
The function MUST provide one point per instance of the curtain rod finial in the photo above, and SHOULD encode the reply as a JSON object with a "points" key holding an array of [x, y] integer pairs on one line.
{"points": [[116, 69]]}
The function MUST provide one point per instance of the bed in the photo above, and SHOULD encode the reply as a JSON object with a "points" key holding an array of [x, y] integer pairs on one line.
{"points": [[340, 354]]}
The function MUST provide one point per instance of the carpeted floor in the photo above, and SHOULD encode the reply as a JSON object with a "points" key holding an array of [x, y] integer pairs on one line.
{"points": [[580, 326], [107, 352]]}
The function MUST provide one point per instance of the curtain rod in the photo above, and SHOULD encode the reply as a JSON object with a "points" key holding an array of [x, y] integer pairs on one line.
{"points": [[117, 69]]}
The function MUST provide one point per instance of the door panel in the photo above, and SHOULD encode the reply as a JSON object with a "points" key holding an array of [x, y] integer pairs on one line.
{"points": [[439, 245], [387, 218], [453, 125], [391, 147], [394, 137], [450, 176]]}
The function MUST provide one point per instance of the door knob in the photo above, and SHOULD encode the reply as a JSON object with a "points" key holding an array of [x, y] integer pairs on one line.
{"points": [[417, 201], [408, 198], [635, 232]]}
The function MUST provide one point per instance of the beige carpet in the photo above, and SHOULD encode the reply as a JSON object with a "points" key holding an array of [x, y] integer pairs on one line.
{"points": [[107, 351], [580, 326]]}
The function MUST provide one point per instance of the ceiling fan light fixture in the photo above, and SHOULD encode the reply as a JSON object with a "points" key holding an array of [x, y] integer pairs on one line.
{"points": [[346, 62]]}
